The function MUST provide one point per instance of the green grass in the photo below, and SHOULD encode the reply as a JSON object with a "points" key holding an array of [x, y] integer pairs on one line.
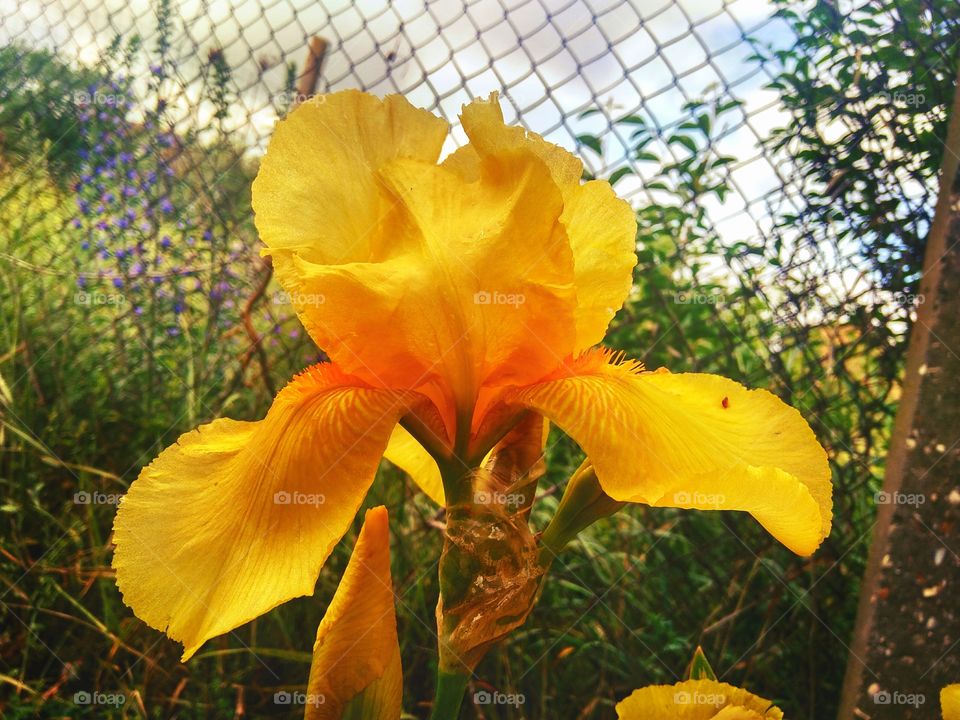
{"points": [[91, 394]]}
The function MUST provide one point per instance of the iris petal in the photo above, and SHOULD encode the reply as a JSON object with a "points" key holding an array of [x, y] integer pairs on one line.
{"points": [[238, 517], [601, 228], [693, 440], [356, 670], [409, 455], [696, 700]]}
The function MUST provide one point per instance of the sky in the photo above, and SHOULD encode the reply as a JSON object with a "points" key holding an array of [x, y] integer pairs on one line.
{"points": [[550, 60]]}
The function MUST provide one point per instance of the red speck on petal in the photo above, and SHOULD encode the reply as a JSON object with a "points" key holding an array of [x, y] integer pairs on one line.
{"points": [[725, 402]]}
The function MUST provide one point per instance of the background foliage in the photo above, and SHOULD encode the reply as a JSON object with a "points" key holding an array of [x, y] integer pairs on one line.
{"points": [[134, 307]]}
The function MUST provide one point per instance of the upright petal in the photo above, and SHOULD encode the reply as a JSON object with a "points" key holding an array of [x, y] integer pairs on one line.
{"points": [[238, 517], [356, 669], [319, 202], [693, 440], [317, 194], [485, 296], [490, 136], [601, 228]]}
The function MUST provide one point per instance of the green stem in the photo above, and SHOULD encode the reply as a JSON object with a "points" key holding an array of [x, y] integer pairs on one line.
{"points": [[583, 503], [449, 697]]}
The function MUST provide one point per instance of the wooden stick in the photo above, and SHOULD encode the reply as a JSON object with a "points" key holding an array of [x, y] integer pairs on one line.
{"points": [[306, 87]]}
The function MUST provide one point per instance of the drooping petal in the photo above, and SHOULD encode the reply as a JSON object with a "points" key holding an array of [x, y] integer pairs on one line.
{"points": [[693, 440], [601, 228], [238, 517], [486, 297], [356, 670], [950, 702], [408, 454], [696, 700]]}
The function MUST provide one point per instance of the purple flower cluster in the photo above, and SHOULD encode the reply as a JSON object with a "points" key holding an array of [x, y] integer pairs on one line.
{"points": [[141, 232], [134, 228]]}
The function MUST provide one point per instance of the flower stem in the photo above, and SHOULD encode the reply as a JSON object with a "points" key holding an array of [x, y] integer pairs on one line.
{"points": [[583, 503], [449, 697]]}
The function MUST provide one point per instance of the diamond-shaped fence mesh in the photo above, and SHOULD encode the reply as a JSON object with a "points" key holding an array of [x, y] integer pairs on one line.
{"points": [[134, 203]]}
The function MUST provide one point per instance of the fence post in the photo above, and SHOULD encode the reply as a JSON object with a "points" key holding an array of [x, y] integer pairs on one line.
{"points": [[906, 642]]}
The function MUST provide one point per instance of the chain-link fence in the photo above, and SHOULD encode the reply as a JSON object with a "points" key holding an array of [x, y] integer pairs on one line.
{"points": [[130, 132]]}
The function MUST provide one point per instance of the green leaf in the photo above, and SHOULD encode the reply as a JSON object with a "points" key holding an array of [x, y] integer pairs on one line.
{"points": [[703, 122], [684, 140], [591, 142], [617, 174], [699, 667]]}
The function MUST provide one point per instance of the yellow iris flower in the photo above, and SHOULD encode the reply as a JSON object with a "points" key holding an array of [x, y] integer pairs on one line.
{"points": [[454, 299], [696, 700], [950, 702]]}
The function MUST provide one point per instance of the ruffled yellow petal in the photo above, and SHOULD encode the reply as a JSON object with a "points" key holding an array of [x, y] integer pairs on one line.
{"points": [[356, 668], [950, 702], [601, 228], [317, 192], [737, 713], [238, 517], [693, 440], [490, 136], [696, 700], [407, 454], [485, 297], [319, 201], [483, 272]]}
